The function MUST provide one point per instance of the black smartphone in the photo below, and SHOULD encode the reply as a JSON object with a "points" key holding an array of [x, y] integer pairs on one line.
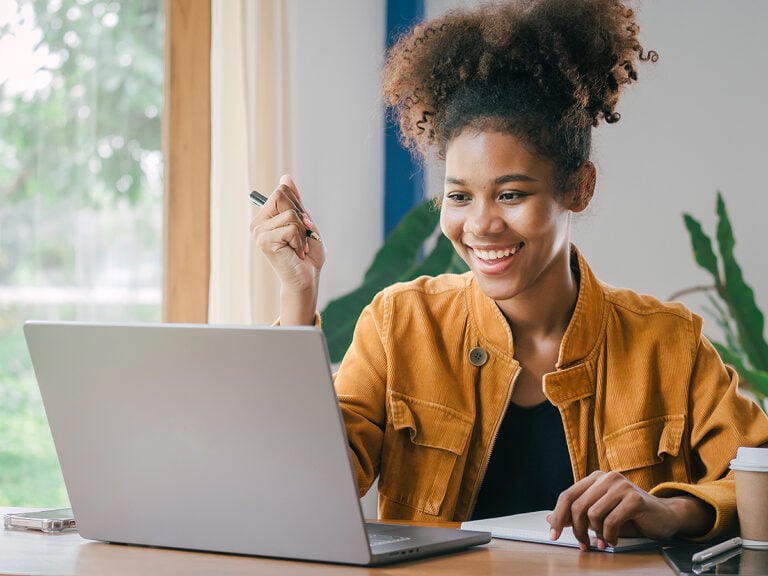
{"points": [[739, 561]]}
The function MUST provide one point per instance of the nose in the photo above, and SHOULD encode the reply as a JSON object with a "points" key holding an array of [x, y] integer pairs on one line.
{"points": [[484, 219]]}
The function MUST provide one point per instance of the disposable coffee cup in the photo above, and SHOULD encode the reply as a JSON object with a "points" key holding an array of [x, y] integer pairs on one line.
{"points": [[750, 469], [753, 562]]}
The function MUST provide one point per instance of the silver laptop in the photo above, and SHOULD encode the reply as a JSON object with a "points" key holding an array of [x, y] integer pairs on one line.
{"points": [[223, 439]]}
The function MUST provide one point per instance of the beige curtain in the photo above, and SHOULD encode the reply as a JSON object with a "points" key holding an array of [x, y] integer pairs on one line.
{"points": [[251, 148]]}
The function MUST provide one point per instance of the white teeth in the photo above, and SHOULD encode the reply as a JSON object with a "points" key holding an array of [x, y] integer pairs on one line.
{"points": [[495, 254]]}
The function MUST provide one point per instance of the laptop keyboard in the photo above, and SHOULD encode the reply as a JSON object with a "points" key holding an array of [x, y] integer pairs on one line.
{"points": [[379, 539]]}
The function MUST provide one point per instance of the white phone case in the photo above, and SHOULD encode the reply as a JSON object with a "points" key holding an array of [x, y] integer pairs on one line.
{"points": [[57, 520]]}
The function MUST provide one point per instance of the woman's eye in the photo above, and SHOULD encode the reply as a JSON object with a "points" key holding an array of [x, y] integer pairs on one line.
{"points": [[512, 196], [457, 197]]}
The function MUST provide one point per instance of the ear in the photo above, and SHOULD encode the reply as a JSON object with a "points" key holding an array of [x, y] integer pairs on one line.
{"points": [[581, 187]]}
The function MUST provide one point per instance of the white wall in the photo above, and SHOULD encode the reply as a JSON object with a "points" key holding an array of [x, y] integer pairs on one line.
{"points": [[695, 123], [338, 131]]}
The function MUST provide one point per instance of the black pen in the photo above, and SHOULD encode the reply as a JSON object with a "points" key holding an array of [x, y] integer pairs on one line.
{"points": [[260, 200], [716, 549]]}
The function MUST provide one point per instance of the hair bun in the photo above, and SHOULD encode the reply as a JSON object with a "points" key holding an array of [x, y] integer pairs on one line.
{"points": [[578, 53]]}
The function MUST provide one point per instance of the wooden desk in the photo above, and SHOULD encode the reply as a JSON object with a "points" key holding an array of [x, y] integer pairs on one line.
{"points": [[30, 552]]}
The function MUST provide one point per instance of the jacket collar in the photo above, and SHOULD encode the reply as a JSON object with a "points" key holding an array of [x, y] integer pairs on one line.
{"points": [[583, 330], [587, 321], [489, 322]]}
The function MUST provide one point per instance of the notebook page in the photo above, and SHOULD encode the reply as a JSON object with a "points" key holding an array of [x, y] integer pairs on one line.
{"points": [[533, 527]]}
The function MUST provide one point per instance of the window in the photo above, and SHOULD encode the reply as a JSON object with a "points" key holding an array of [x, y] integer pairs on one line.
{"points": [[81, 184]]}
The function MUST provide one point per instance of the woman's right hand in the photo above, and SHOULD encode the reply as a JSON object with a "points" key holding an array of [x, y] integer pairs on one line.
{"points": [[280, 229]]}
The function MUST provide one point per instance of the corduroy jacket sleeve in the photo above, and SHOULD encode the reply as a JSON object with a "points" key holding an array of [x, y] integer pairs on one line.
{"points": [[361, 389], [721, 419]]}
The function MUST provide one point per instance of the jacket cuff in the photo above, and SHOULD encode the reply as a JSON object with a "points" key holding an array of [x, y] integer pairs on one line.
{"points": [[720, 495]]}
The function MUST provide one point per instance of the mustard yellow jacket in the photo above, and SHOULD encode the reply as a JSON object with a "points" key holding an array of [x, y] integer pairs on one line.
{"points": [[427, 380]]}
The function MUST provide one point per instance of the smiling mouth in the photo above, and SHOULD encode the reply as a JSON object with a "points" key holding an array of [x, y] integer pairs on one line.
{"points": [[493, 255]]}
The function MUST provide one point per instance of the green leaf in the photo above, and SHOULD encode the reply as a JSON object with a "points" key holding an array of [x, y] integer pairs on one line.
{"points": [[754, 380], [437, 262], [397, 260], [740, 296], [723, 319], [702, 247], [403, 246], [457, 266], [340, 316]]}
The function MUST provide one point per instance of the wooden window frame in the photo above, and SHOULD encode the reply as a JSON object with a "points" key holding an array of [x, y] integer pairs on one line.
{"points": [[187, 161]]}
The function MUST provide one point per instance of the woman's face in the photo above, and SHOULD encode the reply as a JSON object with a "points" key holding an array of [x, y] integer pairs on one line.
{"points": [[500, 211]]}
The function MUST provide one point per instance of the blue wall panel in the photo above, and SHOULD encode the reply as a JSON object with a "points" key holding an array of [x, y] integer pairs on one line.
{"points": [[403, 177]]}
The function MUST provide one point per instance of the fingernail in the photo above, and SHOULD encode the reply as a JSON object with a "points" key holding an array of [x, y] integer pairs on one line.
{"points": [[307, 220], [600, 544], [552, 534], [582, 547]]}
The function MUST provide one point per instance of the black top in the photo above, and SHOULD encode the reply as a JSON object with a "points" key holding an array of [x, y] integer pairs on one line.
{"points": [[529, 465]]}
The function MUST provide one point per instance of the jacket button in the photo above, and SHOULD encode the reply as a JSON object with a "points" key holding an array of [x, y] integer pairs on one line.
{"points": [[478, 356]]}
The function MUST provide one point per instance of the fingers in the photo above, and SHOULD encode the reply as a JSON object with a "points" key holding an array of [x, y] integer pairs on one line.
{"points": [[564, 513], [616, 514], [603, 502], [286, 197], [285, 200], [589, 510], [284, 229], [287, 180]]}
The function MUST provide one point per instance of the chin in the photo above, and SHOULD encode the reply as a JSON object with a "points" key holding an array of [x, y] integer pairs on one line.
{"points": [[497, 289]]}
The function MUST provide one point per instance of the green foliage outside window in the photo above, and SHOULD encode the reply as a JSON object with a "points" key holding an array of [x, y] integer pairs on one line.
{"points": [[81, 88]]}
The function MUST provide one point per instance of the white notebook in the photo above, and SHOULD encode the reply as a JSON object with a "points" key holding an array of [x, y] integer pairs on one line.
{"points": [[533, 527]]}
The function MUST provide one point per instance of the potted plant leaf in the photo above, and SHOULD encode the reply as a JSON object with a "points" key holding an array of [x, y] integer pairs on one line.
{"points": [[414, 248], [732, 303]]}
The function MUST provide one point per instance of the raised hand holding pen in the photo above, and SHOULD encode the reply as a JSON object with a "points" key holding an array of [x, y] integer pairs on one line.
{"points": [[259, 199], [283, 230]]}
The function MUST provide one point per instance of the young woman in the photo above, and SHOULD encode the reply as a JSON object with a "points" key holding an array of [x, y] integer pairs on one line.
{"points": [[527, 383]]}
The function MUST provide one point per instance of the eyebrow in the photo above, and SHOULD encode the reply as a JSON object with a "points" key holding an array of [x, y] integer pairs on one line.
{"points": [[500, 180]]}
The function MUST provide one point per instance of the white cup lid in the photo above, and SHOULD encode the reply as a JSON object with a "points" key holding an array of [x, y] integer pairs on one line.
{"points": [[751, 459]]}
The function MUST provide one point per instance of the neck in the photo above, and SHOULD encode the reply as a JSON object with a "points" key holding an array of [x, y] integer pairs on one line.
{"points": [[546, 310]]}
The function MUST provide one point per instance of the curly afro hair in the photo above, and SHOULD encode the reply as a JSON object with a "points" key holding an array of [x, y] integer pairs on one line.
{"points": [[546, 71]]}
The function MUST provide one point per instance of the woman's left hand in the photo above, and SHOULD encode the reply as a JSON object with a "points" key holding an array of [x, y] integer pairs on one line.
{"points": [[612, 506]]}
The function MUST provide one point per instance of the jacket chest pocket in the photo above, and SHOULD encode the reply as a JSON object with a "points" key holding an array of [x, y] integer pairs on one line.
{"points": [[422, 444], [649, 452]]}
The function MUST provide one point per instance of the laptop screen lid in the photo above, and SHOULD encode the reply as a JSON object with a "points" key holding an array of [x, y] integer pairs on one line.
{"points": [[226, 439], [215, 438]]}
